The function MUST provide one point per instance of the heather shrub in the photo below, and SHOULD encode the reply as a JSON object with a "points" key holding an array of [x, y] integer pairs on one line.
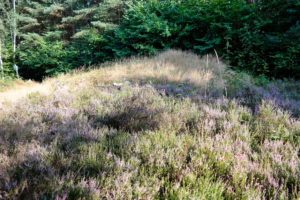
{"points": [[93, 139], [273, 123], [28, 169], [251, 91], [137, 110]]}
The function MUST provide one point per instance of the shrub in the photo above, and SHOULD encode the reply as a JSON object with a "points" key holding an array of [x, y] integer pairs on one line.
{"points": [[42, 56], [254, 37]]}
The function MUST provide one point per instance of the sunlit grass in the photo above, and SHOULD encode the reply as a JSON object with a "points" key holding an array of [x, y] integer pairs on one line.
{"points": [[19, 89]]}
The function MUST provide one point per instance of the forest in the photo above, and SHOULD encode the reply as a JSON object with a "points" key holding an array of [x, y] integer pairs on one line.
{"points": [[47, 37], [149, 99]]}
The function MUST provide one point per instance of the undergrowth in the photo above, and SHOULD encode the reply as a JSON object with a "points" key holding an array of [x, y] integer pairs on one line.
{"points": [[156, 135]]}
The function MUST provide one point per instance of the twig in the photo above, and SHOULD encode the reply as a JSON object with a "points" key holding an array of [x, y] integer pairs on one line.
{"points": [[207, 61], [217, 56]]}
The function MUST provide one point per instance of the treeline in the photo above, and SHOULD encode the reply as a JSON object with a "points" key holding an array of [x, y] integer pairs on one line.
{"points": [[54, 36]]}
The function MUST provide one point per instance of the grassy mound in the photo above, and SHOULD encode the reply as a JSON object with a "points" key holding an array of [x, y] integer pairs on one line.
{"points": [[174, 126]]}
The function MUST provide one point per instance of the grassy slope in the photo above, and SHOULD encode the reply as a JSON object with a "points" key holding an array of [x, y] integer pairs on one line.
{"points": [[174, 126]]}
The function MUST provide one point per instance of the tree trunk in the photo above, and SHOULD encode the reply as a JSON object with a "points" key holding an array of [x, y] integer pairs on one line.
{"points": [[1, 63], [14, 30], [14, 36]]}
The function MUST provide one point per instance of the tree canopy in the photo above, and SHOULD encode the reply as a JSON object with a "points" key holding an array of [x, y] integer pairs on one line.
{"points": [[46, 37]]}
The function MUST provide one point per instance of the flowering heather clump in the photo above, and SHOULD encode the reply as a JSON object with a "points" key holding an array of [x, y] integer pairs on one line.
{"points": [[152, 140], [283, 94]]}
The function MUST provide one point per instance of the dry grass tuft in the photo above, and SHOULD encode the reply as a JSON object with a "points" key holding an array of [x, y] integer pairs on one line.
{"points": [[170, 66], [21, 89]]}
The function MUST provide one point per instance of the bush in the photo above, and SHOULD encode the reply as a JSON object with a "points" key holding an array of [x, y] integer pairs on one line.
{"points": [[253, 37], [261, 37], [42, 56]]}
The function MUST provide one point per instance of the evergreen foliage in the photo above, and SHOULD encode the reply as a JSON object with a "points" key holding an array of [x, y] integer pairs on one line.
{"points": [[52, 36], [261, 38]]}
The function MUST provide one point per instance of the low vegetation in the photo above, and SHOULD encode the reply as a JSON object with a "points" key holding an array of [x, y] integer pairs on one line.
{"points": [[174, 126], [6, 84]]}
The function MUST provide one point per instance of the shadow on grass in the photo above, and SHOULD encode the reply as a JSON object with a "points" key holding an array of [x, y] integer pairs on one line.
{"points": [[250, 96]]}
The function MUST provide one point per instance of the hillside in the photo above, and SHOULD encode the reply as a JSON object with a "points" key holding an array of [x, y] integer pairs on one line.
{"points": [[171, 126]]}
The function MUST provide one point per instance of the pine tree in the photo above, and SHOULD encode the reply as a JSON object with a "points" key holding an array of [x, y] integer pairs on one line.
{"points": [[3, 33], [43, 15], [13, 21], [30, 23], [84, 16]]}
